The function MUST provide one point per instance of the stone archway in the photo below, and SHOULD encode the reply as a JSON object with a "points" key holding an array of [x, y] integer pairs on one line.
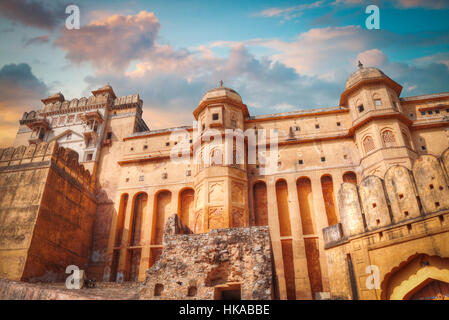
{"points": [[430, 289], [419, 277]]}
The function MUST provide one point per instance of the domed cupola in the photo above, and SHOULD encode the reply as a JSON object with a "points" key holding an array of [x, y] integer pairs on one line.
{"points": [[221, 92], [363, 74], [218, 95], [367, 76]]}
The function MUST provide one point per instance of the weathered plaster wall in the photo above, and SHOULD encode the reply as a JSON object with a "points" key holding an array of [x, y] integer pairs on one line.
{"points": [[47, 211]]}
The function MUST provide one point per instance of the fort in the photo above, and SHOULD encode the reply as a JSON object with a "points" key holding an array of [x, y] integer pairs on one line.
{"points": [[361, 184]]}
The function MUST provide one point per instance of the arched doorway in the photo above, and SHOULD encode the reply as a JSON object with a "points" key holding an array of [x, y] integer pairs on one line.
{"points": [[350, 177], [431, 289], [186, 199], [260, 203], [420, 277]]}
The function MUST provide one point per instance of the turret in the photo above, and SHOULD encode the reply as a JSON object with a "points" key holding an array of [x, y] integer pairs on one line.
{"points": [[380, 129], [220, 177], [369, 90]]}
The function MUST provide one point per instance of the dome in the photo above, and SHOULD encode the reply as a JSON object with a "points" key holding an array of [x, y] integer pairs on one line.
{"points": [[215, 94], [221, 92], [364, 74]]}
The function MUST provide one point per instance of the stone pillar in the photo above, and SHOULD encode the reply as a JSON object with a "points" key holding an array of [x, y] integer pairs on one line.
{"points": [[147, 225], [273, 222], [227, 208], [302, 283], [251, 211], [123, 246], [320, 224], [112, 234], [337, 180], [173, 203]]}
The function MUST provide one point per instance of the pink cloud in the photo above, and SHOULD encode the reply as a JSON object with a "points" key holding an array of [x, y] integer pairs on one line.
{"points": [[372, 58], [113, 42], [430, 4]]}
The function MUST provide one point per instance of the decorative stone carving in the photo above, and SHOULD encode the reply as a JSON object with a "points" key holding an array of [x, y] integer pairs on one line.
{"points": [[237, 193], [216, 218], [199, 199], [216, 192], [198, 222]]}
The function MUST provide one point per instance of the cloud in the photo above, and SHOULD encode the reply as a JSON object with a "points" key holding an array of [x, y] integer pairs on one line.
{"points": [[441, 57], [320, 52], [18, 84], [403, 4], [111, 43], [284, 107], [431, 75], [429, 4], [20, 91], [39, 14], [373, 58], [310, 71], [176, 91], [289, 13], [37, 40]]}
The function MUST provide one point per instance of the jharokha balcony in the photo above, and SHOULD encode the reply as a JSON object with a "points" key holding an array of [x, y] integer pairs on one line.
{"points": [[40, 127]]}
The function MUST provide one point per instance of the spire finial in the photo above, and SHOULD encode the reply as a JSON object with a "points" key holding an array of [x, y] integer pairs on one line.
{"points": [[360, 65], [221, 83]]}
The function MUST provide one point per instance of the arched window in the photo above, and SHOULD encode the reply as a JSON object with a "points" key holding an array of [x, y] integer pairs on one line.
{"points": [[388, 138], [377, 100], [327, 187], [121, 219], [260, 204], [186, 199], [368, 144], [350, 177]]}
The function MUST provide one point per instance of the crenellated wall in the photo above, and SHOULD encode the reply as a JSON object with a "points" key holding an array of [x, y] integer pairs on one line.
{"points": [[47, 210], [399, 196], [409, 222]]}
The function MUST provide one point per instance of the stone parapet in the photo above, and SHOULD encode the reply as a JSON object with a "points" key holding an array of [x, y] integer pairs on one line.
{"points": [[44, 154]]}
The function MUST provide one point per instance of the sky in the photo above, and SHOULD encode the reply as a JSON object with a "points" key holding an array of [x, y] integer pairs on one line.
{"points": [[278, 55]]}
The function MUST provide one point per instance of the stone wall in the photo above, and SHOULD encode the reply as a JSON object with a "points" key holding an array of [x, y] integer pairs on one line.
{"points": [[206, 266], [386, 224], [400, 196], [47, 209]]}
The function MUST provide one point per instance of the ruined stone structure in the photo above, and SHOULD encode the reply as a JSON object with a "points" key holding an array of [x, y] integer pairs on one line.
{"points": [[360, 184], [233, 263]]}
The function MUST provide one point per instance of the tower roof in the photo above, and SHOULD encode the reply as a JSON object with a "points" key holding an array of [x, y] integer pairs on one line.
{"points": [[106, 88], [55, 97], [364, 74], [221, 92]]}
